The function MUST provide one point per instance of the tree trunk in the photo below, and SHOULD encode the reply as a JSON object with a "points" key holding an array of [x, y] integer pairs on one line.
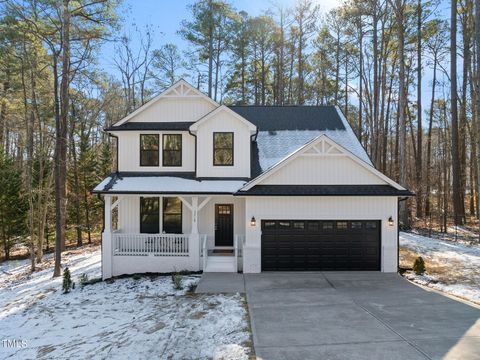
{"points": [[76, 197], [418, 162], [375, 85], [402, 104], [360, 76], [477, 118], [61, 144], [429, 139], [210, 49], [456, 173]]}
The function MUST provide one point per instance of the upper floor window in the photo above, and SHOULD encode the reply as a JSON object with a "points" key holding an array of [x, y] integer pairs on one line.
{"points": [[223, 148], [172, 150], [149, 150]]}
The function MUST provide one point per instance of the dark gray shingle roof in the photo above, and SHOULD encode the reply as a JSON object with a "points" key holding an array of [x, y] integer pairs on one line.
{"points": [[276, 118], [151, 126]]}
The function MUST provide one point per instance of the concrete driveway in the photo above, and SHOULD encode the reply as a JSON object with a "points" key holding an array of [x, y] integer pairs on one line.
{"points": [[357, 315]]}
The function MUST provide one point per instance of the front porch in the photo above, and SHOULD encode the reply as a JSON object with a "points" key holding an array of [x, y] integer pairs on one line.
{"points": [[204, 243]]}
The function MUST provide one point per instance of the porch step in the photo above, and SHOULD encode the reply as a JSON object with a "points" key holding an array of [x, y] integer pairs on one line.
{"points": [[221, 264]]}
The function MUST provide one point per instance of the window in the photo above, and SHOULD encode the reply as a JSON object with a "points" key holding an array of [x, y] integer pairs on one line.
{"points": [[149, 150], [313, 225], [327, 225], [223, 148], [342, 225], [172, 150], [269, 224], [284, 224], [371, 225], [149, 215], [172, 215], [299, 225], [224, 209], [356, 225]]}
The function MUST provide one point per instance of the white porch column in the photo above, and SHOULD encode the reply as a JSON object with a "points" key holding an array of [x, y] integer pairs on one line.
{"points": [[195, 246], [194, 214], [107, 260]]}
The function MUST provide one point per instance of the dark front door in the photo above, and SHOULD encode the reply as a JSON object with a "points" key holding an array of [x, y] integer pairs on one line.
{"points": [[223, 225], [313, 245]]}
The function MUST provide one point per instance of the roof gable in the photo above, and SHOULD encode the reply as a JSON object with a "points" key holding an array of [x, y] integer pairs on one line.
{"points": [[178, 91], [322, 146], [219, 110]]}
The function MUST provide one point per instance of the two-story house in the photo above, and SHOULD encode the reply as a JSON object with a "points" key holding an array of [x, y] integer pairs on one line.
{"points": [[203, 186]]}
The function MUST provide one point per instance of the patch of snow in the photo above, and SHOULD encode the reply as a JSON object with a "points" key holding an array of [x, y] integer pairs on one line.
{"points": [[464, 259], [274, 146], [171, 184], [126, 318], [462, 230]]}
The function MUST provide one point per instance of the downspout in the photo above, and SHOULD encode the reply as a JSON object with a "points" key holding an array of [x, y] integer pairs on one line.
{"points": [[116, 150], [195, 136], [398, 232]]}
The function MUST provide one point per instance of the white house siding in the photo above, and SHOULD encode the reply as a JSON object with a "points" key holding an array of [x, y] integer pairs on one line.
{"points": [[182, 109], [206, 217], [324, 170], [320, 208], [129, 215], [223, 122], [129, 151]]}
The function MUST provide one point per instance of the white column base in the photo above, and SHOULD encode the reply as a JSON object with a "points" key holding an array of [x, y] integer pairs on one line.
{"points": [[107, 258]]}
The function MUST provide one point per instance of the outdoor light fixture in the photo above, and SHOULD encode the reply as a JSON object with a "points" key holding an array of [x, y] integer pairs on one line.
{"points": [[253, 222], [390, 221]]}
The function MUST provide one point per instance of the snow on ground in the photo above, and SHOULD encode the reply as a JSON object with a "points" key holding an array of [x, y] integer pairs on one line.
{"points": [[455, 268], [129, 318]]}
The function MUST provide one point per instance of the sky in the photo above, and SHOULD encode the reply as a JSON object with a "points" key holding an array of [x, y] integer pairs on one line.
{"points": [[165, 17]]}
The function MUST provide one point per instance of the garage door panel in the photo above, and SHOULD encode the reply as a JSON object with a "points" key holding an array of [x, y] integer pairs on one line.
{"points": [[320, 245]]}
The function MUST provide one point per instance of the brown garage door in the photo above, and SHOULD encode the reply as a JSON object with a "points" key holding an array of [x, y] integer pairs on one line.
{"points": [[306, 245]]}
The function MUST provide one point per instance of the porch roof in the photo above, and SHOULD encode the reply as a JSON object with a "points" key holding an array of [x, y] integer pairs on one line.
{"points": [[324, 190], [126, 184]]}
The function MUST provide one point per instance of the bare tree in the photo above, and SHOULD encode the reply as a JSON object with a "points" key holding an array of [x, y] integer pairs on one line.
{"points": [[456, 172]]}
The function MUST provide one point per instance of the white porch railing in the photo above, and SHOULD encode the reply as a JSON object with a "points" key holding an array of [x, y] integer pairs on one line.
{"points": [[146, 244]]}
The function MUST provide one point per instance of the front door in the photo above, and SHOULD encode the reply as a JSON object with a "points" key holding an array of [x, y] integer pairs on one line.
{"points": [[223, 224]]}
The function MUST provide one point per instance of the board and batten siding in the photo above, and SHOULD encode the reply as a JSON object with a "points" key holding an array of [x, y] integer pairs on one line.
{"points": [[321, 208], [324, 170], [129, 151], [223, 122], [129, 215], [181, 109]]}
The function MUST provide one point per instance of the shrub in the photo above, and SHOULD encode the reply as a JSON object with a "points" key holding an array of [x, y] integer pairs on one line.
{"points": [[177, 281], [419, 266], [68, 284], [136, 276], [83, 279], [191, 287]]}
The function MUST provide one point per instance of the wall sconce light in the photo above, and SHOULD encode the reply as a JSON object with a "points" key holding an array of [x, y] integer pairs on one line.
{"points": [[253, 222], [390, 221]]}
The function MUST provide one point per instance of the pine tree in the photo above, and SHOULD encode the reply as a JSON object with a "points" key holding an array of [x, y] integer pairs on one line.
{"points": [[13, 205]]}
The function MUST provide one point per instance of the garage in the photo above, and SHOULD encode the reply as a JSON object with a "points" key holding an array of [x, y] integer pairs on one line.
{"points": [[320, 245]]}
